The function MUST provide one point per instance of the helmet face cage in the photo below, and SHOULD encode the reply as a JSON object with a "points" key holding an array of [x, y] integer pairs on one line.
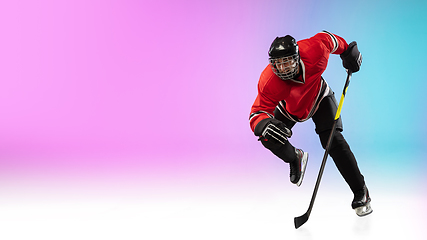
{"points": [[285, 67]]}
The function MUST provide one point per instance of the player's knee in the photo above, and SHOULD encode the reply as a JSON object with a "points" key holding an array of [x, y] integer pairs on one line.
{"points": [[338, 139]]}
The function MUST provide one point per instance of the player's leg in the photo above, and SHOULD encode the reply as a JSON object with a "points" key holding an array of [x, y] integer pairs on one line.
{"points": [[296, 158], [340, 151], [344, 159], [362, 202]]}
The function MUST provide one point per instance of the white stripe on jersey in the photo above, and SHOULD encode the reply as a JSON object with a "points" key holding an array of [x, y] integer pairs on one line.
{"points": [[334, 40], [260, 112]]}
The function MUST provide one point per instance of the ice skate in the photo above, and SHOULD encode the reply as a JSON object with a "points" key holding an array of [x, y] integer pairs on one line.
{"points": [[362, 202], [298, 167]]}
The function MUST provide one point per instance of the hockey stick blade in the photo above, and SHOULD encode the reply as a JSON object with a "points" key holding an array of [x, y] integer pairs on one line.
{"points": [[299, 221]]}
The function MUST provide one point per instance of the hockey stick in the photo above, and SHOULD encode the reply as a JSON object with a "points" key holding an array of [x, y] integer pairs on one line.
{"points": [[302, 219]]}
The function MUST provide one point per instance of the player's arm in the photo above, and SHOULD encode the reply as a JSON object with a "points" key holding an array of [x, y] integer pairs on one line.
{"points": [[349, 53], [332, 43], [261, 109], [263, 123]]}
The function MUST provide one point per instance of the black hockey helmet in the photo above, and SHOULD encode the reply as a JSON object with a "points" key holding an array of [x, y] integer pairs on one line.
{"points": [[284, 57]]}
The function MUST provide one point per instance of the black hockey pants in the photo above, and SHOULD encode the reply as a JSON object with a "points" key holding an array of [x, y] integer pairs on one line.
{"points": [[339, 151]]}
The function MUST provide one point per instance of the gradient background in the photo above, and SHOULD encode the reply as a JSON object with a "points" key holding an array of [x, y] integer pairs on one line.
{"points": [[136, 113]]}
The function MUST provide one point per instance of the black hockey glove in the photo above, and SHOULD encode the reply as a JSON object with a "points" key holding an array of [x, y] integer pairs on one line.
{"points": [[273, 131], [351, 58]]}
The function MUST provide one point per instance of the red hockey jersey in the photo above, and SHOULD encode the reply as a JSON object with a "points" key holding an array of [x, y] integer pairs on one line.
{"points": [[297, 99]]}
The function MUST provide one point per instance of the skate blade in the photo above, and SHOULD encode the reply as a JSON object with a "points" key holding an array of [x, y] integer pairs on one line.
{"points": [[364, 210], [303, 166]]}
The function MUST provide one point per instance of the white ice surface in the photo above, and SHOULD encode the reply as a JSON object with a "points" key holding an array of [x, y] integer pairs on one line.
{"points": [[218, 204], [189, 218]]}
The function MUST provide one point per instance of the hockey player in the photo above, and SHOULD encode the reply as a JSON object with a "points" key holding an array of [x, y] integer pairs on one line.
{"points": [[291, 89]]}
